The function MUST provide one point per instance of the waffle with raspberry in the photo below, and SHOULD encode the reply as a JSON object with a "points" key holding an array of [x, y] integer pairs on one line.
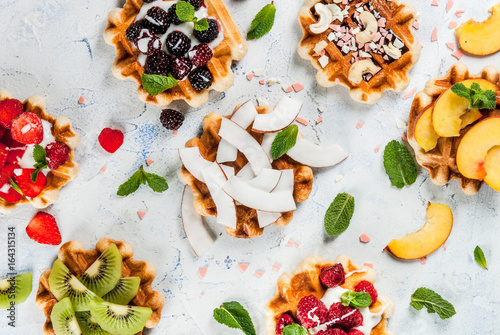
{"points": [[366, 46]]}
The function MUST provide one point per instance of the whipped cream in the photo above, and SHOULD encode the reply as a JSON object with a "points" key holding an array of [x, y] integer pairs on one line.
{"points": [[27, 160]]}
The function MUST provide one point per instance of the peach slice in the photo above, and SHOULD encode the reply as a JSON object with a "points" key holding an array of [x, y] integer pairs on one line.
{"points": [[425, 135], [480, 38], [477, 153], [449, 108], [429, 238]]}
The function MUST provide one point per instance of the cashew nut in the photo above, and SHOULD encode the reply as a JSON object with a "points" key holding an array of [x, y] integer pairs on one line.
{"points": [[371, 27], [360, 68], [325, 18], [392, 51]]}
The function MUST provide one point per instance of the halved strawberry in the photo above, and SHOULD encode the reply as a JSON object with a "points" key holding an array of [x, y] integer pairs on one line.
{"points": [[9, 110], [29, 188], [8, 193], [2, 131], [43, 229], [27, 128], [6, 173], [15, 156], [4, 152], [11, 195], [10, 142]]}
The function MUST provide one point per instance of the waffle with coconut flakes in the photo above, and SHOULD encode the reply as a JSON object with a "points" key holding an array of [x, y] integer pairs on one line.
{"points": [[366, 46]]}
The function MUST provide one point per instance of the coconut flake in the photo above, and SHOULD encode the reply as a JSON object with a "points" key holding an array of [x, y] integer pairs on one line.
{"points": [[315, 156], [266, 180], [246, 172], [283, 114], [267, 218], [194, 162]]}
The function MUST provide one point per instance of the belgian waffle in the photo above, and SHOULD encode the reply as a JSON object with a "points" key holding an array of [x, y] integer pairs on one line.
{"points": [[391, 73], [126, 66], [441, 161], [77, 259], [247, 222], [56, 179], [304, 281]]}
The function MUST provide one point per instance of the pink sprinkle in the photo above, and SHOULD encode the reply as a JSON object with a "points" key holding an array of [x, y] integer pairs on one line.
{"points": [[202, 294], [370, 265], [364, 238], [336, 81], [149, 161], [81, 100], [377, 149], [451, 45], [423, 260], [315, 54], [319, 120], [410, 94], [276, 267], [297, 87], [445, 246], [250, 76], [202, 271], [334, 27], [421, 46], [290, 243], [103, 169], [459, 12], [434, 3], [449, 5], [359, 125], [381, 22], [296, 244], [242, 266], [453, 24], [434, 36], [416, 25], [458, 54], [289, 89], [141, 214], [302, 121], [404, 138], [262, 81], [174, 133], [376, 38], [323, 52], [259, 273]]}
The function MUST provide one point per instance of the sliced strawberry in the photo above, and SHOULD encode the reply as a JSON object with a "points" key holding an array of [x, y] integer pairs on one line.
{"points": [[6, 173], [15, 156], [2, 131], [4, 152], [27, 128], [57, 154], [10, 142], [43, 229], [29, 188], [9, 110], [8, 193], [110, 139], [11, 195]]}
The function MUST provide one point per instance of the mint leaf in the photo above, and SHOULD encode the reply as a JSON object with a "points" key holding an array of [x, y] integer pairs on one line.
{"points": [[201, 25], [156, 182], [284, 141], [15, 187], [184, 11], [356, 299], [399, 164], [479, 257], [263, 22], [478, 98], [339, 214], [294, 329], [154, 84], [424, 297], [462, 91], [233, 315], [40, 157]]}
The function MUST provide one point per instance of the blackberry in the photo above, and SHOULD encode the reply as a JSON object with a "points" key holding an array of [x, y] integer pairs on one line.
{"points": [[134, 30], [178, 43], [171, 119], [142, 41], [172, 16], [200, 54], [154, 45], [148, 1], [180, 67], [196, 3], [210, 34], [157, 20], [200, 78], [157, 63]]}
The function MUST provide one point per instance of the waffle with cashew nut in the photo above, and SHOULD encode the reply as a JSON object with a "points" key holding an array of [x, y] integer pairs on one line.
{"points": [[304, 281], [366, 46], [77, 259], [62, 131]]}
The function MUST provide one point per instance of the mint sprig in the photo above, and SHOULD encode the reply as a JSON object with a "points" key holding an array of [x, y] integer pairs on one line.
{"points": [[141, 177], [284, 141], [479, 257], [263, 22], [478, 98], [424, 297], [40, 157], [356, 299], [294, 329], [154, 84], [339, 214], [233, 315], [399, 164], [15, 187], [185, 12]]}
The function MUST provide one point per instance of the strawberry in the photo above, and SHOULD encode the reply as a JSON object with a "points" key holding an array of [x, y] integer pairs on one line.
{"points": [[27, 128], [2, 131], [9, 110], [355, 332], [43, 229], [10, 142], [332, 331], [110, 139], [311, 312], [29, 188], [11, 195], [366, 286], [4, 152], [8, 193], [282, 322], [57, 154], [332, 276], [15, 155], [344, 316], [6, 173]]}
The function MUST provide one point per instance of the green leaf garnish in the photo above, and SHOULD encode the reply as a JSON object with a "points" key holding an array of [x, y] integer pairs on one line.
{"points": [[339, 214], [185, 12], [40, 157], [399, 164], [284, 141], [478, 98], [201, 25], [356, 299], [479, 257], [15, 187], [294, 329], [263, 22], [233, 315], [141, 177], [423, 297], [154, 84]]}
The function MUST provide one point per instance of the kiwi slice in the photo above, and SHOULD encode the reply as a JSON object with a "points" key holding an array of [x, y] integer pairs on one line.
{"points": [[15, 290], [124, 291], [63, 318], [64, 284], [105, 272], [89, 325], [120, 319]]}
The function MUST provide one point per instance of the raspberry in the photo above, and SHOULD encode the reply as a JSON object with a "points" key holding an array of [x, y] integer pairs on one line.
{"points": [[110, 139], [196, 3], [344, 316], [27, 128], [57, 154], [210, 34], [4, 153], [332, 276], [200, 54], [178, 43], [366, 286], [157, 63], [181, 67], [157, 20], [332, 331], [9, 110], [311, 312], [200, 78], [355, 332], [171, 119], [282, 322], [172, 16], [28, 187], [134, 30]]}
